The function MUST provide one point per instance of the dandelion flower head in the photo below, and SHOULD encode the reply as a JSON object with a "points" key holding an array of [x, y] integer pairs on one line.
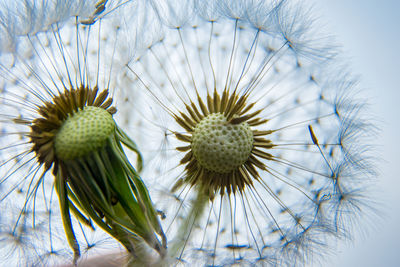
{"points": [[262, 151], [65, 178]]}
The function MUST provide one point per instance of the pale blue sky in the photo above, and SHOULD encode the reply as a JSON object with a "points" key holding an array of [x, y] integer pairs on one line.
{"points": [[369, 31]]}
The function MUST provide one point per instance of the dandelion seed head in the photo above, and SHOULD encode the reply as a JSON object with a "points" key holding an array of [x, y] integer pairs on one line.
{"points": [[263, 64], [58, 125]]}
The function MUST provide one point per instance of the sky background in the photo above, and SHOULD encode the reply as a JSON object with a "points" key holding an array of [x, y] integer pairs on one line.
{"points": [[369, 31]]}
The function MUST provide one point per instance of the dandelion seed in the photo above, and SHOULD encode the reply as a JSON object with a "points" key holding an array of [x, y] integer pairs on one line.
{"points": [[258, 109], [60, 142]]}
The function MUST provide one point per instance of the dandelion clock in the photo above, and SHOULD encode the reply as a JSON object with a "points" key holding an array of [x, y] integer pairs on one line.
{"points": [[262, 160], [67, 186]]}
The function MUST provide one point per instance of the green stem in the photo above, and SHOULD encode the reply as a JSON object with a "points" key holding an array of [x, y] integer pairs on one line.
{"points": [[185, 228]]}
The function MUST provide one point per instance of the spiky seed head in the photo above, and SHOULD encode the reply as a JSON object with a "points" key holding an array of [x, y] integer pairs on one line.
{"points": [[85, 131], [221, 146]]}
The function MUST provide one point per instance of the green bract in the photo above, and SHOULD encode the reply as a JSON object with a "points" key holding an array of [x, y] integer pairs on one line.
{"points": [[97, 182]]}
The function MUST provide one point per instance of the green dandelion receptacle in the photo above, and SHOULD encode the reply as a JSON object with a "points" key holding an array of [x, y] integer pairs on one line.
{"points": [[85, 131], [221, 146]]}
